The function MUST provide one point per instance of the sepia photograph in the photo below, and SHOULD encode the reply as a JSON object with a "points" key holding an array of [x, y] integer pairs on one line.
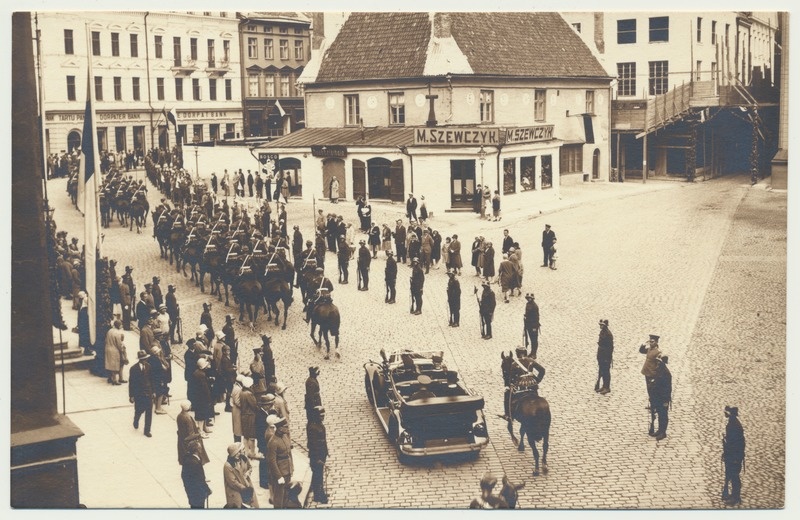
{"points": [[291, 259]]}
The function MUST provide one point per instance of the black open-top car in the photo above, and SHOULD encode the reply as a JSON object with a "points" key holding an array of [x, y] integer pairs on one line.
{"points": [[423, 407]]}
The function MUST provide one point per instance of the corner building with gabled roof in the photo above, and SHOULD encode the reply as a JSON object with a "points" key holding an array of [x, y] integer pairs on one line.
{"points": [[436, 103]]}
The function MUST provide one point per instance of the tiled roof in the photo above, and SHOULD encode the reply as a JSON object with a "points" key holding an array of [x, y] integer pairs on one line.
{"points": [[344, 137], [395, 45]]}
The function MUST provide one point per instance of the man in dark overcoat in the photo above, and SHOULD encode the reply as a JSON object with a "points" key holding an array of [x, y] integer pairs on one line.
{"points": [[364, 259], [487, 304], [317, 452], [531, 323], [399, 235], [313, 398], [141, 393], [548, 237], [390, 277], [605, 354], [453, 298], [733, 451]]}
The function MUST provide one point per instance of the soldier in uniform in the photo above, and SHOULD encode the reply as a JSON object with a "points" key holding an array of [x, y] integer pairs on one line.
{"points": [[454, 298], [661, 397], [230, 338], [281, 467], [531, 323], [605, 352], [364, 259], [127, 279], [174, 311], [344, 260], [651, 351], [317, 452], [390, 277], [486, 306], [417, 284], [319, 245], [205, 319], [158, 297], [312, 397], [733, 446], [125, 299]]}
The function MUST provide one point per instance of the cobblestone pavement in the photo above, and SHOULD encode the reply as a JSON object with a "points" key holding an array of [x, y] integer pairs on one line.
{"points": [[703, 265]]}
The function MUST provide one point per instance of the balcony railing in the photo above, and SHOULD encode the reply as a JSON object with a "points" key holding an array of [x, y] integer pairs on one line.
{"points": [[185, 66], [218, 67]]}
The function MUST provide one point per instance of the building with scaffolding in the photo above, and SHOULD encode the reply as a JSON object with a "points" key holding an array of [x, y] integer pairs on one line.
{"points": [[698, 91]]}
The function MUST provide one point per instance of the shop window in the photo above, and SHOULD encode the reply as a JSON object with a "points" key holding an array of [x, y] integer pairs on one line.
{"points": [[571, 158], [509, 176], [527, 167], [547, 171]]}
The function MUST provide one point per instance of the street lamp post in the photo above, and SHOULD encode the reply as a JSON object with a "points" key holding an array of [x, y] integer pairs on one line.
{"points": [[482, 159], [196, 166]]}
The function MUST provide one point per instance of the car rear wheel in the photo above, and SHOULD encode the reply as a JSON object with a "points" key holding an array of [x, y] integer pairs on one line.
{"points": [[394, 428], [368, 389]]}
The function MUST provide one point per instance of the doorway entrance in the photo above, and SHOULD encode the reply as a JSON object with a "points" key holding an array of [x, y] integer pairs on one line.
{"points": [[462, 183], [333, 167], [596, 164]]}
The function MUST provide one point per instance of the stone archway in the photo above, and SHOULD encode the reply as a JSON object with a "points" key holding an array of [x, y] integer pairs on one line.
{"points": [[333, 167], [596, 164], [73, 140]]}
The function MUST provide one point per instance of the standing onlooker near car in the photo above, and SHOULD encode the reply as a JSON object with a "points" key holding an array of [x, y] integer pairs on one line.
{"points": [[496, 206], [548, 237], [605, 354]]}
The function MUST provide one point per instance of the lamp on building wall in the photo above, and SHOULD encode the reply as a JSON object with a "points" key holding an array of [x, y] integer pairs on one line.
{"points": [[196, 164], [482, 159]]}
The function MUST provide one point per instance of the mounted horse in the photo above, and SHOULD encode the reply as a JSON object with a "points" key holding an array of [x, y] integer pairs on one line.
{"points": [[326, 315], [526, 406], [248, 291], [276, 287], [138, 210]]}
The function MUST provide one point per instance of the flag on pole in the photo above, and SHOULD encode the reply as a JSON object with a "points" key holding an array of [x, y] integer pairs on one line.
{"points": [[172, 117], [281, 111], [89, 173]]}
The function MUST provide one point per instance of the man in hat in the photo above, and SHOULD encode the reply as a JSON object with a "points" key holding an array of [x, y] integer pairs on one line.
{"points": [[411, 208], [651, 352], [239, 490], [660, 398], [417, 284], [188, 432], [488, 500], [266, 406], [158, 297], [320, 248], [605, 354], [148, 296], [205, 319], [140, 392], [364, 259], [399, 235], [317, 452], [390, 277], [142, 310], [249, 407], [548, 237], [230, 338], [147, 338], [313, 398], [343, 257], [486, 307], [531, 324], [508, 242], [454, 298], [733, 451], [281, 466], [174, 311], [267, 358], [194, 477], [201, 397], [258, 373]]}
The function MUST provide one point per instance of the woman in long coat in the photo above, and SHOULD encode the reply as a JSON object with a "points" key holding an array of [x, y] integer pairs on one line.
{"points": [[248, 405], [455, 254], [236, 408], [114, 348], [386, 238], [374, 240], [436, 250], [446, 253], [334, 190], [488, 262]]}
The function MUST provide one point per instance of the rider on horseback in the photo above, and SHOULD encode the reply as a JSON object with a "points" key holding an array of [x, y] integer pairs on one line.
{"points": [[322, 295], [527, 381]]}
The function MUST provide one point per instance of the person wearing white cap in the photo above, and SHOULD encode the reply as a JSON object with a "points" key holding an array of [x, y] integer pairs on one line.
{"points": [[281, 405], [236, 407]]}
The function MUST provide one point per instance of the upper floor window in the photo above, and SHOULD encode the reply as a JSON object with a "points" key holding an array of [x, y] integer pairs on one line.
{"points": [[196, 89], [589, 102], [98, 88], [117, 88], [284, 49], [487, 106], [268, 50], [270, 86], [397, 108], [212, 54], [252, 85], [137, 94], [68, 43], [71, 88], [298, 50], [298, 30], [95, 43], [659, 29], [179, 89], [114, 44], [228, 89], [193, 48], [284, 30], [212, 89], [252, 28], [267, 29], [713, 32], [626, 31], [285, 86], [226, 50], [159, 47], [699, 29], [577, 27], [160, 89], [539, 98], [134, 45], [351, 111], [626, 79], [252, 48], [658, 77], [176, 50]]}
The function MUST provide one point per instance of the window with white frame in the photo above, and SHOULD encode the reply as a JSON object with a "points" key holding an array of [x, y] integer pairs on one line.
{"points": [[179, 89], [69, 47], [134, 45], [70, 88], [713, 32], [589, 102], [539, 104], [160, 89], [699, 29], [397, 108], [228, 89], [136, 89], [285, 86], [252, 48], [298, 50], [196, 89], [114, 44], [626, 79], [269, 53], [159, 46], [697, 75], [270, 86], [284, 44], [351, 110], [252, 85], [212, 89], [658, 77], [487, 106]]}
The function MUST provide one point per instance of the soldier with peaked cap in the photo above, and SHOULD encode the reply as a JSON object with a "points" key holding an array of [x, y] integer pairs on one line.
{"points": [[531, 323], [733, 452], [417, 283], [486, 307], [390, 277], [364, 259], [317, 452], [313, 398], [343, 255], [454, 298]]}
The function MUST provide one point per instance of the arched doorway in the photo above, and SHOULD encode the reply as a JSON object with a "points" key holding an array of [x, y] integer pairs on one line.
{"points": [[292, 168], [73, 140], [596, 164], [385, 179], [333, 167]]}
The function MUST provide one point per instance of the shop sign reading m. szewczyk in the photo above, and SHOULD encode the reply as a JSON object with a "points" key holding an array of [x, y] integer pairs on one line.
{"points": [[482, 136]]}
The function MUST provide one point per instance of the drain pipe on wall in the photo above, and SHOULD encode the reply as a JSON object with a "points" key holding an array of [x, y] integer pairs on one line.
{"points": [[149, 96], [499, 187], [404, 151]]}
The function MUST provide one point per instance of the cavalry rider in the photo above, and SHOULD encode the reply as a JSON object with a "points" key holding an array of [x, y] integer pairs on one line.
{"points": [[529, 364], [323, 287]]}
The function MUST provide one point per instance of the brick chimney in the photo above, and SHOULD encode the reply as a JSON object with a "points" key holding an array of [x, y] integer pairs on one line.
{"points": [[599, 37], [441, 25]]}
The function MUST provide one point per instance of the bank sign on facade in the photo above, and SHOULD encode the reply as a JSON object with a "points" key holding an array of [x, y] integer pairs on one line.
{"points": [[482, 136]]}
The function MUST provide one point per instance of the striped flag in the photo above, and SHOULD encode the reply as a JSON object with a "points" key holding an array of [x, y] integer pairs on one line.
{"points": [[281, 111], [89, 173], [172, 117]]}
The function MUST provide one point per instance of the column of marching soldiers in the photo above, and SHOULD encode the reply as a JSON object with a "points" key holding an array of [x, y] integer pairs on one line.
{"points": [[236, 249]]}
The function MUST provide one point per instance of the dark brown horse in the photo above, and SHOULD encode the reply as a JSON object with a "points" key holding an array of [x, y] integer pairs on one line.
{"points": [[326, 315], [526, 407]]}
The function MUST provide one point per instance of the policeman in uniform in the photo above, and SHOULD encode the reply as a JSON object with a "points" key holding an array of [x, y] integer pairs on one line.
{"points": [[230, 338], [660, 397], [651, 352], [317, 452], [531, 323], [417, 284], [364, 259], [174, 311], [158, 297], [454, 298], [390, 276], [313, 398], [487, 304], [344, 260]]}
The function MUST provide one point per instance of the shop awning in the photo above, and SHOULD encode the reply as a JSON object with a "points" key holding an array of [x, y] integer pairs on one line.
{"points": [[368, 137]]}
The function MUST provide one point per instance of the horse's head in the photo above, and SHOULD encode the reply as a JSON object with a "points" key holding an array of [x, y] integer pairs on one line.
{"points": [[507, 367]]}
